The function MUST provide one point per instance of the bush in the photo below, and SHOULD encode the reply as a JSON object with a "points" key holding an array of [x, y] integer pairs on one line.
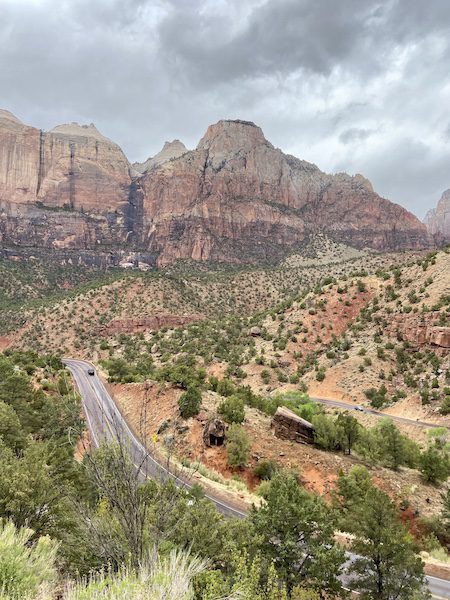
{"points": [[265, 469], [232, 409], [169, 577], [190, 402], [238, 446], [320, 375], [25, 569]]}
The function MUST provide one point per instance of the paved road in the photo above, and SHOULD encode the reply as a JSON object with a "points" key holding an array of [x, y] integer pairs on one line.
{"points": [[371, 411], [105, 422]]}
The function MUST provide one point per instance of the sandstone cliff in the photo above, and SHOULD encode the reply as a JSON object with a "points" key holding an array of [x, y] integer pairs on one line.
{"points": [[169, 151], [69, 187], [235, 198], [437, 219]]}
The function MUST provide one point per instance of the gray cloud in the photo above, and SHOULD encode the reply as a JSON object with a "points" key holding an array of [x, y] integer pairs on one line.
{"points": [[349, 85], [354, 134]]}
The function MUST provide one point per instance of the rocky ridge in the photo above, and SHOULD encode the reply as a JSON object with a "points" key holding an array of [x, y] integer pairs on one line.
{"points": [[437, 219], [235, 198]]}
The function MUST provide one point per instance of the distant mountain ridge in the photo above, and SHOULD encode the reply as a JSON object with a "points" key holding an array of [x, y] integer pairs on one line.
{"points": [[235, 198], [437, 219]]}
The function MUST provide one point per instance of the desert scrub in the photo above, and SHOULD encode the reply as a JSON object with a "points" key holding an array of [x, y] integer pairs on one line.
{"points": [[27, 569]]}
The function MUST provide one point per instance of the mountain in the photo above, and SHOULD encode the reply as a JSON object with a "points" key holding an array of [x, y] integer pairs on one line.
{"points": [[235, 198], [437, 219], [169, 151]]}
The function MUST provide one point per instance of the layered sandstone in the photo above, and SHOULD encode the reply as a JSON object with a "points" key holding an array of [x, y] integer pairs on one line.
{"points": [[66, 188], [437, 219], [169, 151], [235, 198]]}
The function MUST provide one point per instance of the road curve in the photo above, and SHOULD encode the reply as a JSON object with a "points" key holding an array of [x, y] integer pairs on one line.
{"points": [[105, 422], [371, 411]]}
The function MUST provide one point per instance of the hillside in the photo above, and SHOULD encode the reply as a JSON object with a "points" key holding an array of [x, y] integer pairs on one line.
{"points": [[121, 301]]}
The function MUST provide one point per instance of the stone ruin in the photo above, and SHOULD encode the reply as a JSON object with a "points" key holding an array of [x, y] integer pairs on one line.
{"points": [[289, 426], [214, 432]]}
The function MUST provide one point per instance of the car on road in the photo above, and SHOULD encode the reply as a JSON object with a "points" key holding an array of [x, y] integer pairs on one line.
{"points": [[359, 408], [91, 372]]}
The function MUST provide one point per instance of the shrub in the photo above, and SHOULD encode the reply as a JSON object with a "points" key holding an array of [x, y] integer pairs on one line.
{"points": [[232, 409], [25, 569], [169, 577], [238, 446], [190, 402], [265, 469]]}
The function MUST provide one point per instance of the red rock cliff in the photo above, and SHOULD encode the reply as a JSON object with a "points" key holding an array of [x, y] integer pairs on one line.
{"points": [[235, 198]]}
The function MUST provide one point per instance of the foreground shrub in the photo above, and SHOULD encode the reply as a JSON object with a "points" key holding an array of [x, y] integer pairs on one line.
{"points": [[26, 570], [159, 579]]}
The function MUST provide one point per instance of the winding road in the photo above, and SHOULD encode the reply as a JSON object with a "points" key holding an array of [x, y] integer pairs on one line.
{"points": [[371, 411], [105, 422]]}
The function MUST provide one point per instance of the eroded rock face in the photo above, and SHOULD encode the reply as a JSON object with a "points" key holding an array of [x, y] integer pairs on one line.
{"points": [[142, 324], [421, 332], [169, 151], [437, 219], [67, 188], [235, 198]]}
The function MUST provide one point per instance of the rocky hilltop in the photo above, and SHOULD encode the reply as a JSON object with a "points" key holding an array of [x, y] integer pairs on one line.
{"points": [[235, 198], [169, 151], [437, 219]]}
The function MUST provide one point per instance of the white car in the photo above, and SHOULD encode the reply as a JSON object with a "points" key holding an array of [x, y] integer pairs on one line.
{"points": [[359, 408]]}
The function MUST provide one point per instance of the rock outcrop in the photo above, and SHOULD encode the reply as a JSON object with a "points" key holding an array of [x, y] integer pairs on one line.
{"points": [[169, 151], [437, 219], [143, 324], [235, 198], [289, 426]]}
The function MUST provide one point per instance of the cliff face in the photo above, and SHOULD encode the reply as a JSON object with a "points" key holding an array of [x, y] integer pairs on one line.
{"points": [[235, 198], [437, 220], [239, 199], [169, 151], [69, 187]]}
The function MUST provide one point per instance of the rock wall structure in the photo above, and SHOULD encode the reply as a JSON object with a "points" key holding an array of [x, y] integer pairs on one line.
{"points": [[235, 198]]}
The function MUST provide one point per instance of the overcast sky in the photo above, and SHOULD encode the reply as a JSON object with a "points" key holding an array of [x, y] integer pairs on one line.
{"points": [[361, 86]]}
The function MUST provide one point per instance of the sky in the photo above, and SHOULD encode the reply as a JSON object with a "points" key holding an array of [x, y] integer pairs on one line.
{"points": [[361, 86]]}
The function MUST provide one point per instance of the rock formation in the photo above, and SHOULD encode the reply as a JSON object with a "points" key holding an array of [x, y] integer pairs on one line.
{"points": [[170, 151], [238, 199], [437, 219], [289, 426], [235, 198]]}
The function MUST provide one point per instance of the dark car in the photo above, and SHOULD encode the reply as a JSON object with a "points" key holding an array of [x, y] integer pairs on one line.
{"points": [[91, 372]]}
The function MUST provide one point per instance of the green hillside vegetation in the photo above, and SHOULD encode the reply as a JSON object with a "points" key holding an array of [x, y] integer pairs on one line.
{"points": [[129, 538]]}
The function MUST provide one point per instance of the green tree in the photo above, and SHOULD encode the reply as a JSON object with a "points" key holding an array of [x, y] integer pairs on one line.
{"points": [[326, 434], [295, 530], [392, 442], [232, 409], [348, 431], [190, 402], [10, 427], [387, 566], [238, 446], [434, 465]]}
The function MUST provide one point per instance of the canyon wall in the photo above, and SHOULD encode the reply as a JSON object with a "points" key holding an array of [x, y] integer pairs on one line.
{"points": [[235, 198]]}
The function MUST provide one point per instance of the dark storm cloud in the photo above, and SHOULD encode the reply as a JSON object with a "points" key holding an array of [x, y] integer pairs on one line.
{"points": [[354, 135], [352, 85]]}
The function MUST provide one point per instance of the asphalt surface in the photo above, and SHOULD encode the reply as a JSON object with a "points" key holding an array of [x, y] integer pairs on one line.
{"points": [[106, 423], [371, 411]]}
